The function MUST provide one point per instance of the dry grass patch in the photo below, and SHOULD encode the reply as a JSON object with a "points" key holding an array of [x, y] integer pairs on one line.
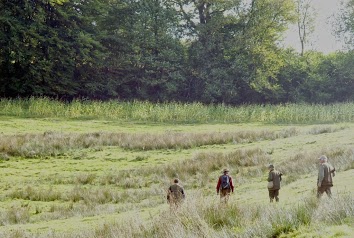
{"points": [[56, 143]]}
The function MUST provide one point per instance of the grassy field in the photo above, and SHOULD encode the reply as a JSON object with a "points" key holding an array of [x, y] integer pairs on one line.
{"points": [[73, 172]]}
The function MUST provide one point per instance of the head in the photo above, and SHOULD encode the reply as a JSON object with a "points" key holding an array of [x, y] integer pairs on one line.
{"points": [[323, 159], [270, 166], [225, 171], [176, 180]]}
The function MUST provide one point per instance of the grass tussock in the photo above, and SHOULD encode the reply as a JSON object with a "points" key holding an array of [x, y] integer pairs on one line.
{"points": [[35, 194], [15, 215], [325, 129]]}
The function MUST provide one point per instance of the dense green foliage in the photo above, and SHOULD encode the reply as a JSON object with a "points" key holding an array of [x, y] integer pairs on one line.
{"points": [[164, 50]]}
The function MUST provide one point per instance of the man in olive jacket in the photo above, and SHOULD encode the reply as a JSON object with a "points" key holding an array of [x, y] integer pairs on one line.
{"points": [[274, 176], [325, 173]]}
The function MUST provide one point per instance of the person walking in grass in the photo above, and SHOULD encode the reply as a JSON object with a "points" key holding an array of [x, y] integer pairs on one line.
{"points": [[225, 186], [274, 178], [325, 173], [175, 194]]}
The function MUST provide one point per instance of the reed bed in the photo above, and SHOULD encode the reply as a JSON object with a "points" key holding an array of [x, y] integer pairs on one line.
{"points": [[176, 112]]}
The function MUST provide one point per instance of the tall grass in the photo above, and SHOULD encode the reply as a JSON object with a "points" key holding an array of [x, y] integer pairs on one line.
{"points": [[175, 112], [204, 217]]}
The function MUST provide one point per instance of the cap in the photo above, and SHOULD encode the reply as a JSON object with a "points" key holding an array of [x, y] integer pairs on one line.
{"points": [[270, 166], [225, 170], [323, 158]]}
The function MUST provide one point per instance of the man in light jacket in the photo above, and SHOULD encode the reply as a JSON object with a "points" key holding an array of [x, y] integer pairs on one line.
{"points": [[325, 173]]}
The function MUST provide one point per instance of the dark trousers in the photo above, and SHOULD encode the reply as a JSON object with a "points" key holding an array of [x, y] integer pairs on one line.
{"points": [[322, 189], [274, 194]]}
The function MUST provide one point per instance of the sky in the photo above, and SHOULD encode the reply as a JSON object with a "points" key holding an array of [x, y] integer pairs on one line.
{"points": [[322, 38]]}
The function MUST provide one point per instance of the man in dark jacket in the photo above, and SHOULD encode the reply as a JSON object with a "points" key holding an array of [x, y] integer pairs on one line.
{"points": [[325, 173], [274, 176], [175, 194]]}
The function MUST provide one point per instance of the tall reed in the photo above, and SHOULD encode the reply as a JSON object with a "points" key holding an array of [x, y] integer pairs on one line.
{"points": [[176, 112]]}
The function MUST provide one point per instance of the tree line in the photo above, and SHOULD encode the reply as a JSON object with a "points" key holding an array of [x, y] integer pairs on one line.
{"points": [[220, 51]]}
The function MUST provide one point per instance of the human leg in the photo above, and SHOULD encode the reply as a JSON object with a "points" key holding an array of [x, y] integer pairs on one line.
{"points": [[225, 195], [320, 191], [271, 195], [328, 191], [276, 195]]}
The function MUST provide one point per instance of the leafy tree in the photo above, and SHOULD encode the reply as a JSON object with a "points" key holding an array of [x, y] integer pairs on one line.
{"points": [[233, 52], [299, 78], [44, 45], [337, 72], [345, 23], [146, 56]]}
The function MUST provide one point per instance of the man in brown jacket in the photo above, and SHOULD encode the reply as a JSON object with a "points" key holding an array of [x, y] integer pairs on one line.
{"points": [[275, 177], [325, 173]]}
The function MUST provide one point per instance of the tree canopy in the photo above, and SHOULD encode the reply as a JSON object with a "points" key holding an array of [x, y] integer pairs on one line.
{"points": [[220, 51]]}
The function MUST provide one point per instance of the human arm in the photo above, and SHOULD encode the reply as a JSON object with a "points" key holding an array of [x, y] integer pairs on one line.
{"points": [[333, 171], [270, 176], [168, 193], [218, 186], [183, 194], [320, 176], [231, 184]]}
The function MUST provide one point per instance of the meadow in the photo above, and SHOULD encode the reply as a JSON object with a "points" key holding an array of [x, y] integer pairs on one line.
{"points": [[101, 169]]}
